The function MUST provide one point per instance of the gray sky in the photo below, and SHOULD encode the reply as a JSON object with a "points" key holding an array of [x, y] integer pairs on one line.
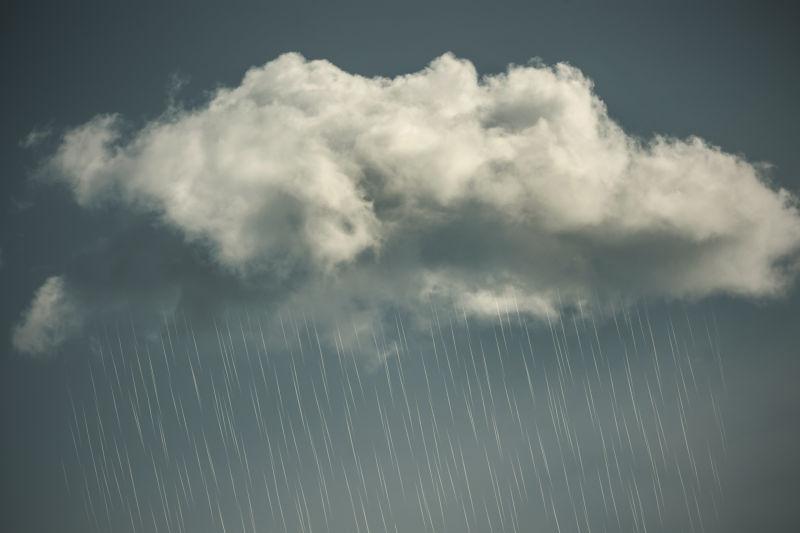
{"points": [[381, 169]]}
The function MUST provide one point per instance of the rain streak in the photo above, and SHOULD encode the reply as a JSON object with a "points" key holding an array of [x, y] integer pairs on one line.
{"points": [[583, 421]]}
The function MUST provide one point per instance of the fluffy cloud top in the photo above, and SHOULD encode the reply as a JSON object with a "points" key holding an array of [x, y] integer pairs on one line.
{"points": [[513, 189], [53, 317]]}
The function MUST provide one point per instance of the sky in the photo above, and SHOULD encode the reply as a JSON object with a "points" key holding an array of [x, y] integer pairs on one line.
{"points": [[395, 266]]}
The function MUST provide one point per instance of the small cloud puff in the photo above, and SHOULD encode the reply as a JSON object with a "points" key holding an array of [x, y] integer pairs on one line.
{"points": [[52, 318]]}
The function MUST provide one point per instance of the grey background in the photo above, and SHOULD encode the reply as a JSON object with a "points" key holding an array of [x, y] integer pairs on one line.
{"points": [[725, 71]]}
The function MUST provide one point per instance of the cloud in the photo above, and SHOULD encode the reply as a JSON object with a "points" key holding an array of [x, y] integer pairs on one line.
{"points": [[53, 316], [513, 190], [36, 136]]}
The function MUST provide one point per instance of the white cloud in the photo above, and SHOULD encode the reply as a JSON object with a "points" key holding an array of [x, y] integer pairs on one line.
{"points": [[52, 318], [36, 136], [499, 190]]}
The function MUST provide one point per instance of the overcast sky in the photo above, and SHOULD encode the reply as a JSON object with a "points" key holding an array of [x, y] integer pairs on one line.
{"points": [[593, 199]]}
